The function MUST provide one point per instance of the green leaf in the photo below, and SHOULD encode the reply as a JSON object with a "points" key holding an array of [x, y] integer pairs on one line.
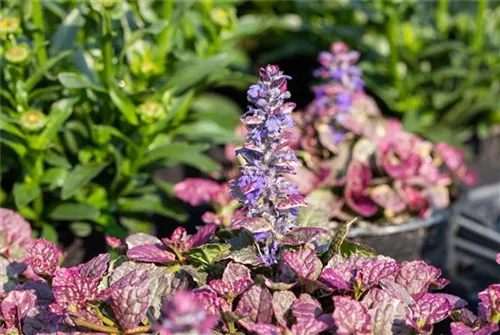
{"points": [[210, 131], [38, 75], [217, 108], [312, 217], [208, 254], [123, 103], [79, 177], [59, 113], [180, 108], [49, 233], [411, 121], [14, 145], [24, 194], [349, 248], [137, 226], [172, 150], [64, 37], [55, 159], [7, 126], [54, 177], [189, 74], [197, 160], [72, 211], [150, 204], [198, 276], [73, 80], [80, 229]]}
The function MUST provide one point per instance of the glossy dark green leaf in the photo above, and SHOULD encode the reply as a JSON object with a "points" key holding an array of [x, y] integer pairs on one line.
{"points": [[207, 254], [80, 176], [24, 194], [64, 37], [72, 211], [123, 103]]}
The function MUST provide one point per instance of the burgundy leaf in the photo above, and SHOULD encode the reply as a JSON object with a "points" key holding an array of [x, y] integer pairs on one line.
{"points": [[234, 272], [202, 235], [489, 305], [430, 309], [302, 235], [71, 289], [196, 191], [305, 263], [359, 177], [150, 253], [336, 280], [351, 317], [212, 303], [129, 298], [454, 158], [44, 257], [16, 305], [282, 301], [265, 329], [278, 286], [256, 305]]}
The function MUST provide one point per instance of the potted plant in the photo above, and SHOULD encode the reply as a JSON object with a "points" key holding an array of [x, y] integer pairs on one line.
{"points": [[357, 163]]}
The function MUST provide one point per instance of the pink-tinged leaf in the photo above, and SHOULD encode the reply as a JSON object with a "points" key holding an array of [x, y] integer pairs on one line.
{"points": [[234, 272], [454, 158], [96, 268], [455, 302], [416, 277], [396, 291], [351, 317], [302, 235], [202, 236], [304, 179], [16, 305], [309, 316], [430, 309], [305, 263], [458, 328], [196, 191], [375, 269], [389, 317], [16, 230], [252, 224], [359, 177], [438, 196], [256, 304], [130, 298], [293, 201], [71, 289], [150, 253], [265, 329], [140, 239], [398, 155], [211, 218], [247, 256], [230, 290], [336, 280], [282, 301], [469, 177], [489, 305], [386, 197], [44, 257], [114, 242], [211, 303], [498, 258]]}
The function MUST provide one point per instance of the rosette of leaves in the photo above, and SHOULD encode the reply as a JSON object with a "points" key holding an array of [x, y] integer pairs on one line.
{"points": [[96, 96], [358, 163], [345, 290]]}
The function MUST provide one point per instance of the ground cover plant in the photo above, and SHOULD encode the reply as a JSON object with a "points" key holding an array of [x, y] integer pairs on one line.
{"points": [[264, 273], [96, 96]]}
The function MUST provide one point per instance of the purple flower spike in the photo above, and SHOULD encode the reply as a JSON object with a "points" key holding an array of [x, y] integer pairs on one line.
{"points": [[184, 314], [262, 188]]}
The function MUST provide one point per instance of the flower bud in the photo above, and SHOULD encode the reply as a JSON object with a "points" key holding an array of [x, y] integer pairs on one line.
{"points": [[33, 120], [151, 111], [18, 54]]}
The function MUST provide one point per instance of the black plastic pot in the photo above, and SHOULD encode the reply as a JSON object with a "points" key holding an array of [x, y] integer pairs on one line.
{"points": [[415, 239]]}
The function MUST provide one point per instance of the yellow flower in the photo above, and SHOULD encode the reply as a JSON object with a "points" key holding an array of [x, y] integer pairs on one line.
{"points": [[9, 25], [18, 54], [33, 120]]}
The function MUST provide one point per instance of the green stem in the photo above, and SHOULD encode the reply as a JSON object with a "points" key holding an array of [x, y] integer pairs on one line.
{"points": [[392, 33], [38, 35], [232, 328], [478, 39], [442, 16], [105, 329]]}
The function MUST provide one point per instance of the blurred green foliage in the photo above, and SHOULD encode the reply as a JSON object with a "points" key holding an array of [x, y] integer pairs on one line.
{"points": [[435, 64], [97, 95]]}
